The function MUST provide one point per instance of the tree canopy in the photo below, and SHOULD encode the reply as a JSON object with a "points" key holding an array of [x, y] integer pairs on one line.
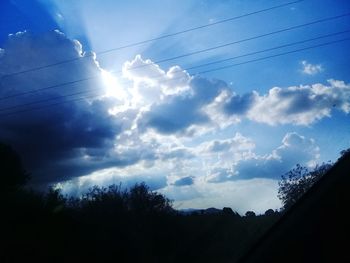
{"points": [[12, 172], [298, 181]]}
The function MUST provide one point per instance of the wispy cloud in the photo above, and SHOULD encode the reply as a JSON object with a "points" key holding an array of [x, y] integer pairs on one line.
{"points": [[311, 69]]}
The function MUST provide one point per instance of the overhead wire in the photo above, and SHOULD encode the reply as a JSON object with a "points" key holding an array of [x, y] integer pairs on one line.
{"points": [[188, 68], [198, 73], [181, 56], [156, 38]]}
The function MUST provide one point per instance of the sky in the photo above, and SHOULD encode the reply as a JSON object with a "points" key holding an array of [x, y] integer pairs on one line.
{"points": [[86, 100]]}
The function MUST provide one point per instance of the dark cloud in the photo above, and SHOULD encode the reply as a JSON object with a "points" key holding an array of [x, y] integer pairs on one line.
{"points": [[177, 113], [177, 153], [239, 104], [219, 146], [70, 139], [184, 181], [301, 105], [175, 116], [55, 140]]}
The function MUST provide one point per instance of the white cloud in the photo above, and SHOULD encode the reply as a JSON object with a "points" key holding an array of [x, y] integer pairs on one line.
{"points": [[237, 143], [297, 105], [215, 173], [155, 116], [182, 113], [301, 105], [148, 78], [257, 194], [311, 69], [80, 185], [295, 149]]}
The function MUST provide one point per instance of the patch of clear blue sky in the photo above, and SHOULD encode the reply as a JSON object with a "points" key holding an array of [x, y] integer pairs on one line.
{"points": [[108, 24], [100, 26], [112, 24], [20, 15]]}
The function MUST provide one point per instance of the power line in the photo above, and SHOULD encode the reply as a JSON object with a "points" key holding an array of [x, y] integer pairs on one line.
{"points": [[184, 55], [51, 87], [268, 49], [49, 99], [276, 55], [239, 41], [202, 72], [50, 105], [185, 69], [157, 38]]}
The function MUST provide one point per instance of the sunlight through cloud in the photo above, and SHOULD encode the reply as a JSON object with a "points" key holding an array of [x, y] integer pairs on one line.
{"points": [[113, 88]]}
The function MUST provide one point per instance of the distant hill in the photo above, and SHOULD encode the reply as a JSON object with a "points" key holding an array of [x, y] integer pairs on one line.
{"points": [[207, 211]]}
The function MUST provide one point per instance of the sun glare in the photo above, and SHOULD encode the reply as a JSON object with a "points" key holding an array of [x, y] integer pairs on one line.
{"points": [[113, 88]]}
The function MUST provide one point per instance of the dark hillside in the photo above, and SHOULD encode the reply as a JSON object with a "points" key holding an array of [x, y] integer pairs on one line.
{"points": [[316, 228]]}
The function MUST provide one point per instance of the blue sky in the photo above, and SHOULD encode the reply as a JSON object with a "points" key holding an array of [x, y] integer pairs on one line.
{"points": [[221, 138]]}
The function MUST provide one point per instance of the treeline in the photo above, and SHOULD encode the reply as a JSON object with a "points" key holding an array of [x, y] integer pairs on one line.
{"points": [[115, 224], [120, 225]]}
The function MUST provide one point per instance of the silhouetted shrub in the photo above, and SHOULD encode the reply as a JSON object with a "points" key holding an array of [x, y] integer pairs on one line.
{"points": [[249, 214], [12, 172]]}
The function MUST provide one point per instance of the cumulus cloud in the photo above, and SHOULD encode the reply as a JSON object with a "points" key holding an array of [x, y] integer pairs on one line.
{"points": [[57, 142], [153, 83], [302, 105], [257, 194], [311, 69], [295, 149], [182, 194], [176, 153], [177, 114], [218, 175], [168, 128], [237, 143], [298, 105], [239, 104], [24, 51]]}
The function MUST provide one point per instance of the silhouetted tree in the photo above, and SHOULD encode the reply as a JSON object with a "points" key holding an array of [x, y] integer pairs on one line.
{"points": [[139, 199], [99, 200], [249, 214], [298, 181], [227, 211], [12, 172], [142, 199], [269, 212], [54, 200]]}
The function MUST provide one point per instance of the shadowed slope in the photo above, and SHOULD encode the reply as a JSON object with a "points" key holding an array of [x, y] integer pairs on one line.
{"points": [[316, 228]]}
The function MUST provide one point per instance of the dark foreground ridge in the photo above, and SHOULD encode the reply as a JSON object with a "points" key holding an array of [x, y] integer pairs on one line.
{"points": [[316, 228], [112, 226], [115, 224]]}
